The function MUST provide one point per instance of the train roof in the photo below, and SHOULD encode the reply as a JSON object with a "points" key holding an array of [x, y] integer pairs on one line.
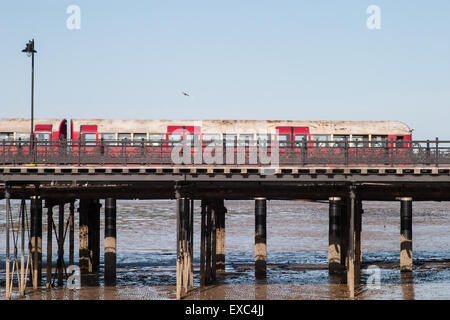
{"points": [[23, 124], [251, 126]]}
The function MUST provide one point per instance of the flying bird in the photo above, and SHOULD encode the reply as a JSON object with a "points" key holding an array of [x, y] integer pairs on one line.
{"points": [[185, 94]]}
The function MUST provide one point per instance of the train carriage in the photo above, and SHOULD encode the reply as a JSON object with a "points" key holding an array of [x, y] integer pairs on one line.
{"points": [[47, 135], [295, 139]]}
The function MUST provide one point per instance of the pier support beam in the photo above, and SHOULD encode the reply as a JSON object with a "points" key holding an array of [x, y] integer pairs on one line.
{"points": [[60, 261], [354, 245], [260, 238], [406, 254], [334, 236], [203, 244], [184, 249], [220, 237], [36, 239], [48, 273], [344, 237], [71, 233], [89, 243], [110, 242]]}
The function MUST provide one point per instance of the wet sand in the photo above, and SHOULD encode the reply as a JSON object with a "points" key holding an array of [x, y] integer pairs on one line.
{"points": [[297, 240]]}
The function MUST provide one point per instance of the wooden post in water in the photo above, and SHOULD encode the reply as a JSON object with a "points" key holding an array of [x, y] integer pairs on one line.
{"points": [[180, 258], [60, 261], [48, 282], [406, 253], [208, 244], [36, 239], [94, 234], [260, 238], [358, 238], [71, 233], [110, 242], [220, 237], [191, 244], [353, 268], [84, 260], [203, 244], [185, 243], [334, 236], [344, 233], [7, 217], [213, 241]]}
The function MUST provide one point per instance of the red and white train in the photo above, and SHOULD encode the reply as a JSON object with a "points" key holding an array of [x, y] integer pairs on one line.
{"points": [[91, 131]]}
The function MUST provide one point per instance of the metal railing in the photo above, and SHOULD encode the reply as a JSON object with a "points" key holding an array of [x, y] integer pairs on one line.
{"points": [[225, 152]]}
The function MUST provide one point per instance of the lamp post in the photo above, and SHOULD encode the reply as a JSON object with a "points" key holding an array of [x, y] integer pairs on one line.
{"points": [[29, 50]]}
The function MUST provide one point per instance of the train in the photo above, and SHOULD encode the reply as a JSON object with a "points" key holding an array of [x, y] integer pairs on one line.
{"points": [[145, 138], [156, 131]]}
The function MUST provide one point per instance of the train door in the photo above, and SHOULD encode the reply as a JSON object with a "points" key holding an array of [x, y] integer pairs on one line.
{"points": [[176, 134], [291, 136]]}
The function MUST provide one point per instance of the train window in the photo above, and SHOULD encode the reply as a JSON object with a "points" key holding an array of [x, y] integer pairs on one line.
{"points": [[299, 138], [263, 139], [109, 139], [379, 141], [359, 141], [174, 138], [230, 139], [124, 137], [321, 140], [244, 139], [399, 142], [22, 136], [191, 138], [7, 136], [209, 138], [137, 137], [339, 140], [283, 140], [89, 139], [155, 139]]}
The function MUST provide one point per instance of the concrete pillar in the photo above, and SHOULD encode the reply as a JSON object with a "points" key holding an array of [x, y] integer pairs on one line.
{"points": [[110, 242], [344, 232], [36, 239], [220, 237], [208, 270], [353, 268], [260, 238], [406, 254], [334, 235]]}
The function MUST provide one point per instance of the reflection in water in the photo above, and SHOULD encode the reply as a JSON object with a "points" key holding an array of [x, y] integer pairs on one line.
{"points": [[297, 244]]}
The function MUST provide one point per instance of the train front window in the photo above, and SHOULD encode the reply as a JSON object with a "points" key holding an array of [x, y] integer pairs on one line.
{"points": [[399, 142]]}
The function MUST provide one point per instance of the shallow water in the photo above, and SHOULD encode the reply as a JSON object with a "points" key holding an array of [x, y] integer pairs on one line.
{"points": [[297, 242]]}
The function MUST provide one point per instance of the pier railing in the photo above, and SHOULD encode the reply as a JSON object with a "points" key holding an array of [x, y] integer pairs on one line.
{"points": [[225, 152]]}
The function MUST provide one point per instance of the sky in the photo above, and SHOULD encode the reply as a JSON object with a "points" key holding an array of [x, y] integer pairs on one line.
{"points": [[237, 59]]}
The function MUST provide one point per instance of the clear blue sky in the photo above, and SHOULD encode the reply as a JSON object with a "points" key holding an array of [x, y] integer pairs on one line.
{"points": [[239, 59]]}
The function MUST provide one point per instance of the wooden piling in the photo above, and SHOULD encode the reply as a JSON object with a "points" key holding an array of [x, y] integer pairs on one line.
{"points": [[358, 238], [213, 241], [220, 237], [71, 233], [7, 217], [191, 244], [260, 238], [110, 242], [48, 274], [84, 260], [36, 239], [406, 253], [185, 243], [60, 261], [180, 257], [208, 244], [203, 244], [94, 234], [354, 246], [344, 232], [334, 236]]}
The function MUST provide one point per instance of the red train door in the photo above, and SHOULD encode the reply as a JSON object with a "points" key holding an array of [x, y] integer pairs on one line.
{"points": [[292, 136]]}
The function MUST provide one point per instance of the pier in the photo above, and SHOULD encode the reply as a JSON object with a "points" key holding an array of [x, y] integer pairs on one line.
{"points": [[53, 179]]}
